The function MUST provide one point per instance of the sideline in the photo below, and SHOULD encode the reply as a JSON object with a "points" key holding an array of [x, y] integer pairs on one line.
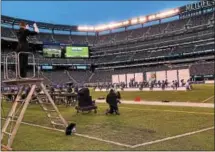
{"points": [[159, 103], [174, 111]]}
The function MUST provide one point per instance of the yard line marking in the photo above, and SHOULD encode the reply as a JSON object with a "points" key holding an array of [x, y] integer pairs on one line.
{"points": [[120, 144], [190, 112], [107, 141], [172, 137], [207, 99], [77, 134]]}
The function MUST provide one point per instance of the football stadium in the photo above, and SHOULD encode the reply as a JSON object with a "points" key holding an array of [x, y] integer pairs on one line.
{"points": [[140, 84]]}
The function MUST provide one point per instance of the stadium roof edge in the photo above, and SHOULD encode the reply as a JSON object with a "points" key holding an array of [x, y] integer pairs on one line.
{"points": [[49, 26], [42, 25]]}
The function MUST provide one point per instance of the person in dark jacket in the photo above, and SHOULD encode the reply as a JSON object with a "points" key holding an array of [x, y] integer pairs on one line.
{"points": [[112, 100], [22, 35]]}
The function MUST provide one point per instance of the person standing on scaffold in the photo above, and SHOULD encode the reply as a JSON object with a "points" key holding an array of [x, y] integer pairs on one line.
{"points": [[23, 46]]}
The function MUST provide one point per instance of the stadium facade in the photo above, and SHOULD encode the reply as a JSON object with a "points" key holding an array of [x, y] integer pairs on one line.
{"points": [[178, 39]]}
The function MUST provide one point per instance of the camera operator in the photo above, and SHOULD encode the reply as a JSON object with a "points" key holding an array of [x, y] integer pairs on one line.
{"points": [[112, 99]]}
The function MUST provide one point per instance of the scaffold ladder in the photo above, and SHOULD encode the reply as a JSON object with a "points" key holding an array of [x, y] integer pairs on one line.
{"points": [[16, 114]]}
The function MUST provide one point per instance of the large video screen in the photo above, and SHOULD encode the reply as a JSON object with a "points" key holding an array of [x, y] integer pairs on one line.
{"points": [[52, 51], [77, 52]]}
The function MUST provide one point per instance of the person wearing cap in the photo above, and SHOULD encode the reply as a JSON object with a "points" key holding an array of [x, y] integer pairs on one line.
{"points": [[23, 46]]}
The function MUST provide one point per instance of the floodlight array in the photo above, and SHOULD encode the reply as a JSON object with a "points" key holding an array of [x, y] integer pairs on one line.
{"points": [[133, 21]]}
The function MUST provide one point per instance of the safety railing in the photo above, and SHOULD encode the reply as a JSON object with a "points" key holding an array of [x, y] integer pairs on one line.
{"points": [[16, 62]]}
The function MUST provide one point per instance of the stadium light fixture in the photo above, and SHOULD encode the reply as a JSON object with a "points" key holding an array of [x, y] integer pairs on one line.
{"points": [[111, 25], [91, 28], [85, 28], [101, 27], [151, 17], [82, 28], [142, 19], [125, 22], [134, 21], [130, 22], [167, 13], [114, 25]]}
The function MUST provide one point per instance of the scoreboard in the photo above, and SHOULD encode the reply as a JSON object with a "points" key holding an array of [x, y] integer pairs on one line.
{"points": [[59, 50]]}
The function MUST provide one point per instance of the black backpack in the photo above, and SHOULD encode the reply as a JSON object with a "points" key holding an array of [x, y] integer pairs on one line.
{"points": [[69, 128]]}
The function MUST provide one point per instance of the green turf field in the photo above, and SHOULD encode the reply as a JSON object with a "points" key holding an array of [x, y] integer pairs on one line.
{"points": [[139, 127], [199, 93], [137, 124]]}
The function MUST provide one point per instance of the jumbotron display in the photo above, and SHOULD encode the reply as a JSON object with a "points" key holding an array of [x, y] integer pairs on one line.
{"points": [[52, 51], [77, 52]]}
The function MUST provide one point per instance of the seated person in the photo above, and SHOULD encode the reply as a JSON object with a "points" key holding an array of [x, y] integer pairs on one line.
{"points": [[69, 89], [11, 95], [84, 98], [112, 100], [85, 102], [25, 94], [61, 90], [69, 97], [52, 91], [60, 98], [76, 89]]}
